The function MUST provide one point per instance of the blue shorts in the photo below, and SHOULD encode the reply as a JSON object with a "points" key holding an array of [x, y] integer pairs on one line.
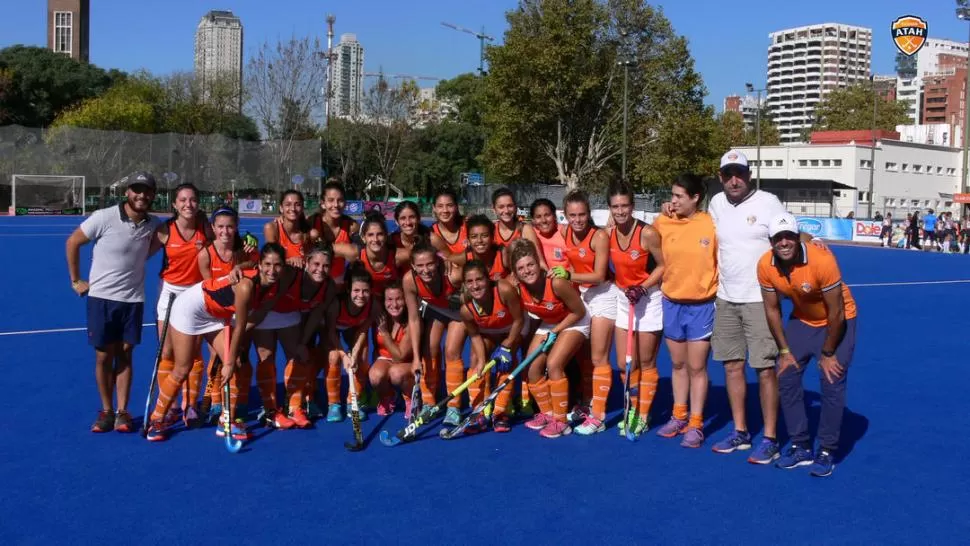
{"points": [[111, 322], [688, 321]]}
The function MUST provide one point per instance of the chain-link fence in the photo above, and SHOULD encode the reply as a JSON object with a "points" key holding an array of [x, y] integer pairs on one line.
{"points": [[480, 197]]}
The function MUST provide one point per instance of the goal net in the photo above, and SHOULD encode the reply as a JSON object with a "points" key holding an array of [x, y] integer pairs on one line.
{"points": [[38, 194]]}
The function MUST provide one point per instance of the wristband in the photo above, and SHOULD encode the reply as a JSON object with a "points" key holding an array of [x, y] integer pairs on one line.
{"points": [[785, 351], [828, 354]]}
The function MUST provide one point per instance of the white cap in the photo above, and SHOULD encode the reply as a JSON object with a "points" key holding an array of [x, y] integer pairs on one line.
{"points": [[734, 157], [783, 222]]}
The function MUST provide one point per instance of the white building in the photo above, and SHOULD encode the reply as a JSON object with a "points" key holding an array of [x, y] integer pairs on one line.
{"points": [[911, 71], [805, 64], [833, 180], [348, 77], [940, 134], [219, 51]]}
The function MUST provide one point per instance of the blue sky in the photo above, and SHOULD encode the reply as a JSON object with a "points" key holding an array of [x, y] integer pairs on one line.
{"points": [[729, 41]]}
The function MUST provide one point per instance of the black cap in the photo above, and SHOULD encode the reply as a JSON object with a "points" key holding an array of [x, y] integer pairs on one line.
{"points": [[144, 178]]}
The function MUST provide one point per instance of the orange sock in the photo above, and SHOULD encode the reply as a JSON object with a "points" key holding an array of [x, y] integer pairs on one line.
{"points": [[333, 383], [190, 389], [586, 373], [524, 392], [295, 380], [680, 412], [602, 381], [430, 375], [648, 389], [559, 392], [634, 387], [165, 367], [696, 421], [213, 379], [540, 391], [502, 400], [239, 388], [266, 382], [167, 390], [454, 377], [478, 390]]}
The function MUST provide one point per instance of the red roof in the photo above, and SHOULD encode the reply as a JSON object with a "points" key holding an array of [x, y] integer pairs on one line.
{"points": [[863, 137]]}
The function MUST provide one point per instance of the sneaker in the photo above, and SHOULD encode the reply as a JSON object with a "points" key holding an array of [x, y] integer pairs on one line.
{"points": [[795, 456], [386, 406], [105, 421], [191, 418], [476, 425], [500, 423], [407, 410], [538, 422], [279, 420], [823, 465], [767, 452], [578, 413], [335, 413], [156, 432], [555, 429], [313, 411], [672, 428], [590, 426], [123, 422], [693, 438], [632, 418], [524, 409], [361, 415], [739, 440], [238, 430], [452, 416], [299, 418], [215, 413]]}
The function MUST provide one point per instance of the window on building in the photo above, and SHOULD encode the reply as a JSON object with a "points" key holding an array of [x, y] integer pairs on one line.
{"points": [[950, 171], [813, 162], [865, 164], [779, 163], [917, 168], [939, 170], [802, 162], [826, 162], [63, 29], [890, 166], [836, 162], [905, 168]]}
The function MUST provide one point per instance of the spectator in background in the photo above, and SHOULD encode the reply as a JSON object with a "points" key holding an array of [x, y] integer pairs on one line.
{"points": [[929, 229], [966, 234], [913, 231], [887, 230], [122, 237]]}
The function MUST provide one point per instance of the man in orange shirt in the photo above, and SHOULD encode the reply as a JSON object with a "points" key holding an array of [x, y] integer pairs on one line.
{"points": [[822, 325]]}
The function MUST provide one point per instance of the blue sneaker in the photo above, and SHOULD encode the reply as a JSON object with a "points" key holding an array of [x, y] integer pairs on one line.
{"points": [[795, 456], [452, 416], [736, 441], [823, 465], [334, 413], [767, 451]]}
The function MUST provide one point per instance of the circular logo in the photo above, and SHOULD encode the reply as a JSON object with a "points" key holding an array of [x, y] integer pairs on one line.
{"points": [[582, 252], [806, 287], [549, 306], [705, 242], [557, 252], [634, 254], [752, 219]]}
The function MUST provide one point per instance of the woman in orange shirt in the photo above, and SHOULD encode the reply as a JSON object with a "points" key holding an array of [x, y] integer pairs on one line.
{"points": [[411, 232], [689, 288], [333, 226], [508, 226], [291, 230], [549, 234], [392, 367], [378, 256], [481, 247]]}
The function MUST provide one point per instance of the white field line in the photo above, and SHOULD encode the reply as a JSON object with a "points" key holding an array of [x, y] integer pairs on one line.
{"points": [[56, 330]]}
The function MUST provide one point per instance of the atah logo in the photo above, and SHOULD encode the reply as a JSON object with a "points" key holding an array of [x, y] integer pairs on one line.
{"points": [[806, 287], [810, 226], [909, 34]]}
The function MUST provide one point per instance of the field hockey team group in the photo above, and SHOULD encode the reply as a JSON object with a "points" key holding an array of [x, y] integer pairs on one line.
{"points": [[326, 289]]}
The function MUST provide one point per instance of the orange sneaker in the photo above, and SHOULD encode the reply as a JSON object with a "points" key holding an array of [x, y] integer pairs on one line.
{"points": [[299, 418], [280, 421]]}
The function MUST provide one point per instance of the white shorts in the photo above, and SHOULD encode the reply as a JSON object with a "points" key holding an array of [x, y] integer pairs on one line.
{"points": [[648, 315], [581, 326], [189, 314], [600, 300], [163, 294], [278, 321]]}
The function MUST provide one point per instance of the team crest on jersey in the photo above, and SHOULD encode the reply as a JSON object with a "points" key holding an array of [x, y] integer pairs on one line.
{"points": [[500, 314], [557, 252], [752, 219], [634, 254], [582, 252], [909, 34], [549, 306], [705, 242], [806, 287]]}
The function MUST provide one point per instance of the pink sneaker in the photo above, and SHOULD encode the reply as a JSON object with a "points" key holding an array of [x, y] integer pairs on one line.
{"points": [[538, 422], [385, 406], [555, 429]]}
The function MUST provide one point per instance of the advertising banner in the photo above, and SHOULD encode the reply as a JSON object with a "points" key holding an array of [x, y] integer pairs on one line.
{"points": [[866, 231], [44, 211], [354, 207], [836, 229], [250, 206]]}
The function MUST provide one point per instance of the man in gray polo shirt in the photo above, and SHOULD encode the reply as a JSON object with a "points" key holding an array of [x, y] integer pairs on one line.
{"points": [[123, 237]]}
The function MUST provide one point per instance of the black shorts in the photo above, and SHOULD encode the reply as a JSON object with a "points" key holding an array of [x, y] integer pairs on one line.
{"points": [[111, 322]]}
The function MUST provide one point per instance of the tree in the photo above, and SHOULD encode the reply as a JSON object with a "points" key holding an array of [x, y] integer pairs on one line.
{"points": [[466, 93], [283, 83], [44, 83], [732, 131], [850, 109], [388, 123], [6, 91]]}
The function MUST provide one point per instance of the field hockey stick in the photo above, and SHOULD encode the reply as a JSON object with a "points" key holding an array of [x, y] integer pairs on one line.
{"points": [[354, 416], [415, 396], [158, 360], [484, 406], [232, 445], [428, 414], [629, 362]]}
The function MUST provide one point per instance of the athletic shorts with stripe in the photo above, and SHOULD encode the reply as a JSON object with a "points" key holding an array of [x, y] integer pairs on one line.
{"points": [[740, 331]]}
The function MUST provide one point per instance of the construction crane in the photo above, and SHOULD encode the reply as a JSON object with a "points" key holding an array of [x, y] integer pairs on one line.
{"points": [[481, 42], [399, 76]]}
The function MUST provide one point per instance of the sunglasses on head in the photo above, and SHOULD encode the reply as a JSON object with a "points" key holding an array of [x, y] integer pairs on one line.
{"points": [[731, 171]]}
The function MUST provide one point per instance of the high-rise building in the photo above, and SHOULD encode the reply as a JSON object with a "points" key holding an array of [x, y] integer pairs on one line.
{"points": [[747, 106], [911, 70], [68, 27], [348, 77], [805, 64], [219, 54]]}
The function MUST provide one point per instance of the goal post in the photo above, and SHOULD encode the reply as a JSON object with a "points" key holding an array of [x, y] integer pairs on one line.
{"points": [[39, 194]]}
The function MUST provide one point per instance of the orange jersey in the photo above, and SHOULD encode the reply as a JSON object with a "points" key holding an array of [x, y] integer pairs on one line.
{"points": [[496, 268], [338, 267], [180, 262], [347, 320], [385, 275], [293, 300], [516, 233], [293, 249], [219, 267], [580, 255], [220, 299], [499, 319], [397, 337], [461, 241], [553, 248], [439, 300], [805, 283], [690, 257], [631, 265], [549, 309]]}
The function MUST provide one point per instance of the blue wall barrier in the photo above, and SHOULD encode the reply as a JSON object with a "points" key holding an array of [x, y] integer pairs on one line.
{"points": [[836, 229]]}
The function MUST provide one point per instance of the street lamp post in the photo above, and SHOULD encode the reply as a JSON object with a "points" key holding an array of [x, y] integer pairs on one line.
{"points": [[625, 61], [963, 13], [757, 122], [872, 152]]}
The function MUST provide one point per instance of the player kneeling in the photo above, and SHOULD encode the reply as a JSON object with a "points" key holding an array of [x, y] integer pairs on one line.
{"points": [[393, 366]]}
